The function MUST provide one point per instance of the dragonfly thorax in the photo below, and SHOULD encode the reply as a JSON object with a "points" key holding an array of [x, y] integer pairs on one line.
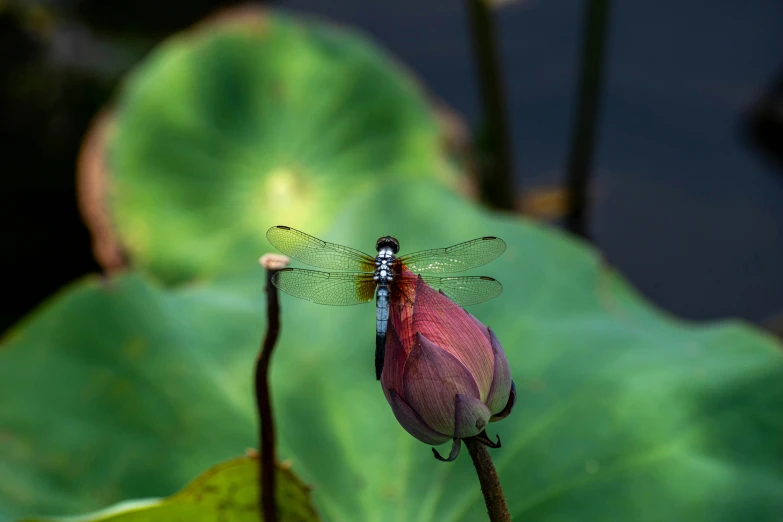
{"points": [[383, 265]]}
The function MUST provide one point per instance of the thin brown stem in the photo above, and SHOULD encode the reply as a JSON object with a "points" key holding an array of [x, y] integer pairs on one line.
{"points": [[268, 457], [490, 483], [494, 138]]}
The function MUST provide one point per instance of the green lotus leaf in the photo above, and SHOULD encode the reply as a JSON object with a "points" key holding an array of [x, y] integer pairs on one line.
{"points": [[257, 118], [227, 491], [127, 389]]}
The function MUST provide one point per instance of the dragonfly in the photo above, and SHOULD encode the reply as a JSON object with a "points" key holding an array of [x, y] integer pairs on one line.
{"points": [[358, 277]]}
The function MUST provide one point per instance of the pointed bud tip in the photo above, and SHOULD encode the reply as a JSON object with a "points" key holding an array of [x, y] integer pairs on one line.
{"points": [[471, 415]]}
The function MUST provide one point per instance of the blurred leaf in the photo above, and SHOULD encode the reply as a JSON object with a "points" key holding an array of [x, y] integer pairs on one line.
{"points": [[227, 491], [623, 412], [258, 118]]}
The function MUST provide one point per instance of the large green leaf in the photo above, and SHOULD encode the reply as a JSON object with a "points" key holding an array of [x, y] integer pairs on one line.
{"points": [[228, 492], [127, 389], [254, 119]]}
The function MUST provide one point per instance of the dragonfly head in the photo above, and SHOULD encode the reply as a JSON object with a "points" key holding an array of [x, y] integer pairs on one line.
{"points": [[388, 242]]}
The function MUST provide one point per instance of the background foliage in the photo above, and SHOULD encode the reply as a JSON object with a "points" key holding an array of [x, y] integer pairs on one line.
{"points": [[224, 130], [130, 387]]}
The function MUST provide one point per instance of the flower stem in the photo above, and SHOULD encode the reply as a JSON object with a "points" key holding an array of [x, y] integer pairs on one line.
{"points": [[267, 467], [490, 483]]}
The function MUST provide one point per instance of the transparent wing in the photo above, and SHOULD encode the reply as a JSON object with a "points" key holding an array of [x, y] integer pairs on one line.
{"points": [[314, 252], [457, 258], [466, 290], [329, 288]]}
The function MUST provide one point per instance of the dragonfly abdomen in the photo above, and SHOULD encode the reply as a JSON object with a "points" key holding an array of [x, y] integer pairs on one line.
{"points": [[381, 323], [387, 247]]}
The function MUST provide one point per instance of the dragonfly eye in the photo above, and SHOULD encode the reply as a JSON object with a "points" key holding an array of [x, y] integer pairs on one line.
{"points": [[388, 242]]}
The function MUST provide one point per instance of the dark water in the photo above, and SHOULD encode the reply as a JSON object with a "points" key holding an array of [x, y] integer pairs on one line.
{"points": [[684, 206]]}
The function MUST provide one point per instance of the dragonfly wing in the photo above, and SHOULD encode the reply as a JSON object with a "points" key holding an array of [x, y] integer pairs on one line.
{"points": [[314, 252], [457, 258], [329, 288], [466, 290]]}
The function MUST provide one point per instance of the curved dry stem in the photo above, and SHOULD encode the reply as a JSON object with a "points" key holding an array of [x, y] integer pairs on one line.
{"points": [[266, 430]]}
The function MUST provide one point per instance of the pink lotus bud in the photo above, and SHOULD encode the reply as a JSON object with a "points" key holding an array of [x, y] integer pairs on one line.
{"points": [[445, 374]]}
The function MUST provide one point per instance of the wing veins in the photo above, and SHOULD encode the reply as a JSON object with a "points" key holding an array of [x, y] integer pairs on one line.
{"points": [[466, 290], [456, 258], [329, 288], [315, 252]]}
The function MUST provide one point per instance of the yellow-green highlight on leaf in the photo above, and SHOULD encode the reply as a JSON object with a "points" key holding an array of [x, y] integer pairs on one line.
{"points": [[232, 126], [227, 492]]}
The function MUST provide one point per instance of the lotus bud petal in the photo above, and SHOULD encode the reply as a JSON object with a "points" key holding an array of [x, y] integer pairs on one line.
{"points": [[393, 363], [456, 331], [445, 374], [412, 423], [512, 399], [501, 380], [431, 379]]}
